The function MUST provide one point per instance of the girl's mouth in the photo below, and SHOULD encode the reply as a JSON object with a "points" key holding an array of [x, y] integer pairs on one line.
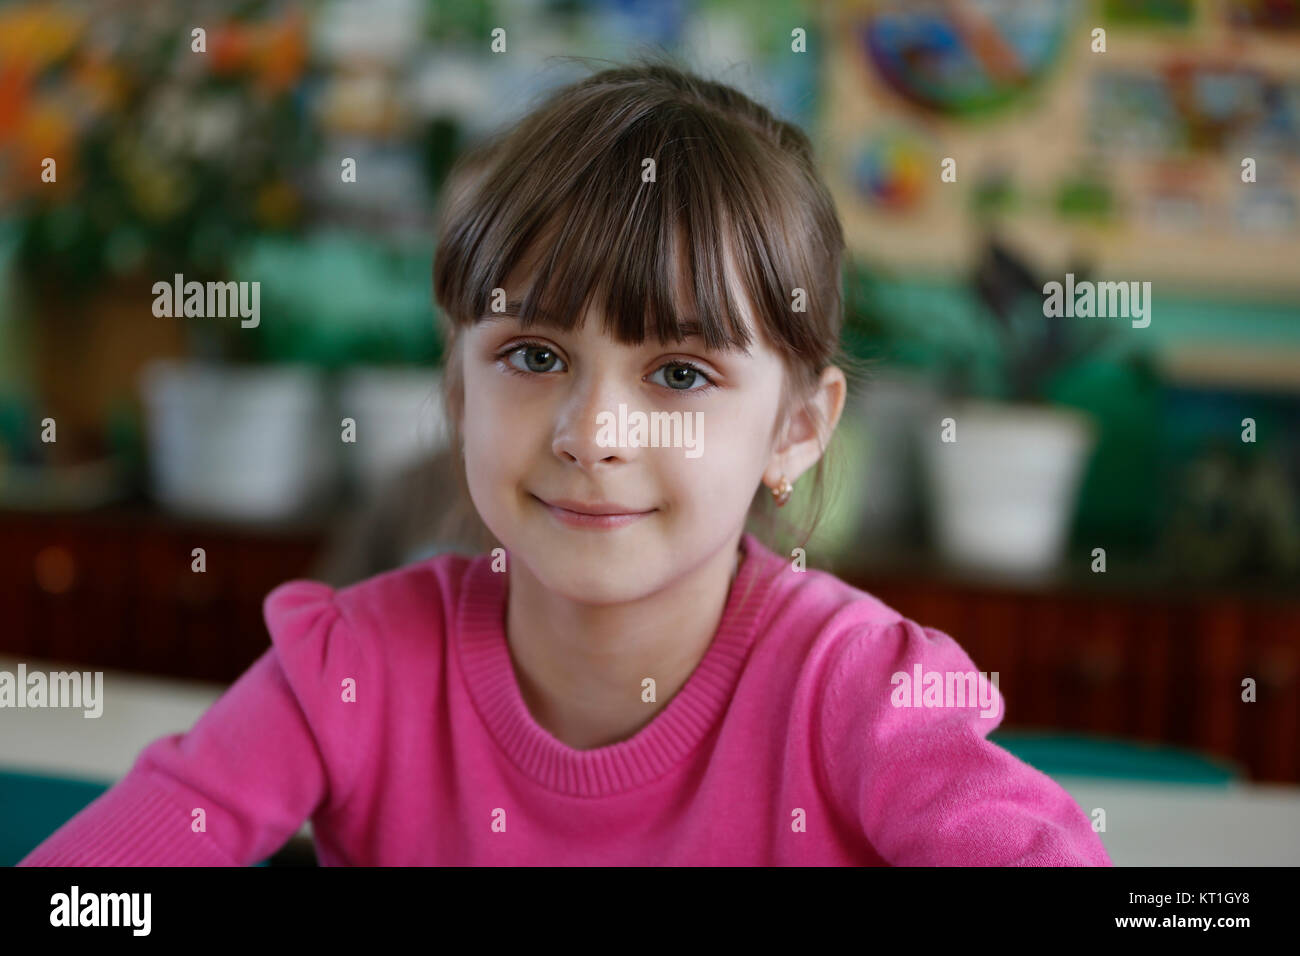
{"points": [[596, 516]]}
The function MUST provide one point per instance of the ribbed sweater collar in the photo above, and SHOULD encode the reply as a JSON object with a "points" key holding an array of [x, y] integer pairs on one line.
{"points": [[655, 749]]}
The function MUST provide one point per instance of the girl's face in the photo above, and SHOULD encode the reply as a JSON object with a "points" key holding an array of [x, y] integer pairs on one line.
{"points": [[533, 411]]}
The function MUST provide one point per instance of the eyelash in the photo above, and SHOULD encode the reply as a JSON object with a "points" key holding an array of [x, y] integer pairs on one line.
{"points": [[517, 346]]}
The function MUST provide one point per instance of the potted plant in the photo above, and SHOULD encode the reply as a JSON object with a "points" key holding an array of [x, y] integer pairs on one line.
{"points": [[133, 151], [1003, 464], [357, 307]]}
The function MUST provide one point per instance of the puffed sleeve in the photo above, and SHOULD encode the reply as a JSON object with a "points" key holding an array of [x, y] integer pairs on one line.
{"points": [[269, 753], [923, 784]]}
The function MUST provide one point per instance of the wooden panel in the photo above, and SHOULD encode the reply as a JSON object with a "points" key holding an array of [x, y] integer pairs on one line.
{"points": [[1163, 669], [1046, 657], [1220, 657], [1269, 732], [1149, 656], [115, 589], [1106, 687]]}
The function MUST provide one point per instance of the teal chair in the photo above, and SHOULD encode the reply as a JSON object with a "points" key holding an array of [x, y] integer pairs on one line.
{"points": [[32, 806], [1079, 755]]}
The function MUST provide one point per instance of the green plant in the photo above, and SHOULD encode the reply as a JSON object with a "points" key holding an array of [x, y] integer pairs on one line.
{"points": [[984, 337], [1033, 347], [167, 158]]}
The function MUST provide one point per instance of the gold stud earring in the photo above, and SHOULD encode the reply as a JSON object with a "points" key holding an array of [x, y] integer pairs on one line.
{"points": [[781, 493]]}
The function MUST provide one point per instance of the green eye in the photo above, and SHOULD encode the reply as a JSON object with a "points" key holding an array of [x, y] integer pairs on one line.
{"points": [[683, 377], [536, 358]]}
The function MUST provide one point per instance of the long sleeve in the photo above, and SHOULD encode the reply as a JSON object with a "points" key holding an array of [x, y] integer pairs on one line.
{"points": [[261, 760], [922, 782]]}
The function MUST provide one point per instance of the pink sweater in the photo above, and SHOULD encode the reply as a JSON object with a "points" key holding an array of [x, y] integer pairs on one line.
{"points": [[787, 745]]}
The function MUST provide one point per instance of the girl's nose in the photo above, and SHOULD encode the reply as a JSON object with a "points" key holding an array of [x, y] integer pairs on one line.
{"points": [[587, 430]]}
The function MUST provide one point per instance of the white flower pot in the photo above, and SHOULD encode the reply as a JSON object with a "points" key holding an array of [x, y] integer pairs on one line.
{"points": [[237, 442], [1003, 494]]}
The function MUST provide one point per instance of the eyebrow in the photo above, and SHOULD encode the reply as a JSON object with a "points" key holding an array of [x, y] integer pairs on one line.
{"points": [[691, 329]]}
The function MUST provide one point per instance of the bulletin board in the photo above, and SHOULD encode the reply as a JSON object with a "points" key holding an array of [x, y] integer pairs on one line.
{"points": [[1128, 158]]}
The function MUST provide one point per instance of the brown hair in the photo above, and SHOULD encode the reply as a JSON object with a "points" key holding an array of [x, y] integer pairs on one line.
{"points": [[726, 170]]}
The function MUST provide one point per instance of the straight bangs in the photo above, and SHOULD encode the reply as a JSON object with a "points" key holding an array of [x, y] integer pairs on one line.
{"points": [[632, 199]]}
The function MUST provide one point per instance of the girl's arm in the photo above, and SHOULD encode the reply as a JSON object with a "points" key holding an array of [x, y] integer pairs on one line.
{"points": [[259, 762], [923, 784]]}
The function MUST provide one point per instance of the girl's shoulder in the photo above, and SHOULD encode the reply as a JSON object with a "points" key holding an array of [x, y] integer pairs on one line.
{"points": [[849, 634], [380, 614], [820, 603]]}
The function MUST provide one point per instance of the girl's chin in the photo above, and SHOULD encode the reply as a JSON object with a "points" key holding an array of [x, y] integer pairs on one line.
{"points": [[602, 587], [603, 564]]}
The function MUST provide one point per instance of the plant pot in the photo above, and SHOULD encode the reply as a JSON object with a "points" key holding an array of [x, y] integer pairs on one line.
{"points": [[238, 442], [1003, 494]]}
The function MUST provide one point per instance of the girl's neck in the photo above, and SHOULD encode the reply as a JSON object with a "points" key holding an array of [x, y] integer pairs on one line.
{"points": [[580, 667]]}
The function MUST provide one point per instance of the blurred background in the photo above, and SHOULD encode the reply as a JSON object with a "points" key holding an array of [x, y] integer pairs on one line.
{"points": [[1117, 532]]}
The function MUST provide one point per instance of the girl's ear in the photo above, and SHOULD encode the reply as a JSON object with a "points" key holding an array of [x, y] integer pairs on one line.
{"points": [[808, 428]]}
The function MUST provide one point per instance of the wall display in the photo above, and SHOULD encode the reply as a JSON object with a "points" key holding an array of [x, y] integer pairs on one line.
{"points": [[1166, 145]]}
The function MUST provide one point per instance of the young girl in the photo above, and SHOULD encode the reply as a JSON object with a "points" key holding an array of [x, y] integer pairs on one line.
{"points": [[628, 676]]}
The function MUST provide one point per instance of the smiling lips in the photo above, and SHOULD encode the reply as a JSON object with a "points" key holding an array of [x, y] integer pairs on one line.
{"points": [[598, 515]]}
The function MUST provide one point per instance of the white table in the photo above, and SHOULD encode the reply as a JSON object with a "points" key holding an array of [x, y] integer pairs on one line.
{"points": [[1152, 824], [137, 710]]}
